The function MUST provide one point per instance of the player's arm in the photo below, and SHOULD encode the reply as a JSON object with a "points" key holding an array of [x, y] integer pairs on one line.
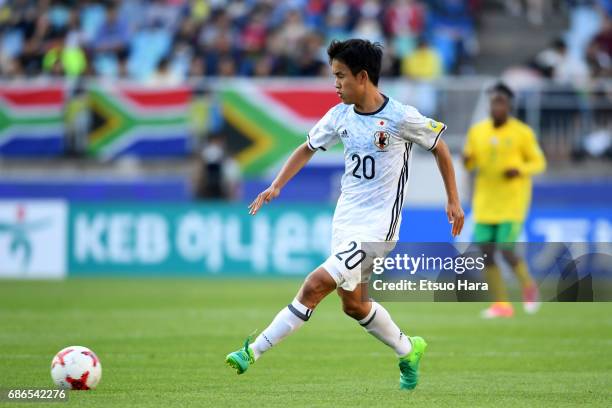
{"points": [[469, 152], [533, 158], [292, 166], [322, 136], [454, 212]]}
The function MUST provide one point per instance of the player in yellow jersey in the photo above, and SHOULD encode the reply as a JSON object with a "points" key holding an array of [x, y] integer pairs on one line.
{"points": [[504, 154]]}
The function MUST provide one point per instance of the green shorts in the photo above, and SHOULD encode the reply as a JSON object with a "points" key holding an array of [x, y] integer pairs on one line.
{"points": [[505, 232]]}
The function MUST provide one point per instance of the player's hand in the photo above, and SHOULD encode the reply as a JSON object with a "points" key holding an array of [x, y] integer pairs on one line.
{"points": [[455, 215], [264, 197], [512, 173]]}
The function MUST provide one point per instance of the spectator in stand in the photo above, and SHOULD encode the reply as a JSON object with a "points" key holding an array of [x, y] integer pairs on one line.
{"points": [[264, 66], [219, 27], [369, 24], [227, 67], [222, 49], [164, 12], [12, 37], [604, 38], [219, 174], [92, 14], [254, 34], [148, 46], [453, 33], [65, 57], [113, 35], [369, 28], [404, 22], [199, 10], [405, 17], [164, 75], [291, 32], [550, 58], [111, 43], [57, 18], [598, 61], [571, 69], [197, 68], [29, 21], [309, 62], [424, 64], [339, 20], [180, 58]]}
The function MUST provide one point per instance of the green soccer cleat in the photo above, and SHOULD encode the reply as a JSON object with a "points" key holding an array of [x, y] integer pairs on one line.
{"points": [[409, 364], [241, 359]]}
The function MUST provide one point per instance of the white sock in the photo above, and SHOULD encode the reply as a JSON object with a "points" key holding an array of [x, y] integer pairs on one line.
{"points": [[286, 322], [380, 325]]}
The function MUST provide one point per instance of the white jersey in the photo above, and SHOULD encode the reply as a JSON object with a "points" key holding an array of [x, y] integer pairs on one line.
{"points": [[377, 150]]}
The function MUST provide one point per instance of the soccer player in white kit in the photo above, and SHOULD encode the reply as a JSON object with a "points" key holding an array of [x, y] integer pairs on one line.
{"points": [[378, 134]]}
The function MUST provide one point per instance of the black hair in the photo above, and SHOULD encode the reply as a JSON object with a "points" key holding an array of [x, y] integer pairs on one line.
{"points": [[502, 88], [358, 55], [559, 44]]}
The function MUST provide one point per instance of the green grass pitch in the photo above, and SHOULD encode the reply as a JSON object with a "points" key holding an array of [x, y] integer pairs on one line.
{"points": [[162, 342]]}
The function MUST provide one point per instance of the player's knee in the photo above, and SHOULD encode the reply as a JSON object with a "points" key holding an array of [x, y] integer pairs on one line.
{"points": [[313, 291], [356, 310]]}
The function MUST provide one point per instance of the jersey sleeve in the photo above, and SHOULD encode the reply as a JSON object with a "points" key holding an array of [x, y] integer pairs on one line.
{"points": [[420, 129], [534, 161], [469, 150], [323, 135]]}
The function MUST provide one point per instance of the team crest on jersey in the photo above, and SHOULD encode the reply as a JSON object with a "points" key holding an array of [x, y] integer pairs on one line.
{"points": [[381, 139]]}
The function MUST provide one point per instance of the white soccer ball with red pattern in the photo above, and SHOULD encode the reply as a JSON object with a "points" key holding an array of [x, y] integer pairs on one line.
{"points": [[76, 368]]}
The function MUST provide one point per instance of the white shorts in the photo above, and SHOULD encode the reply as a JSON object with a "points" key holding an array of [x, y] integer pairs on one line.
{"points": [[349, 257]]}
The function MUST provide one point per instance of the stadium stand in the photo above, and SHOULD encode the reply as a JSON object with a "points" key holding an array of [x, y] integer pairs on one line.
{"points": [[137, 38], [107, 88]]}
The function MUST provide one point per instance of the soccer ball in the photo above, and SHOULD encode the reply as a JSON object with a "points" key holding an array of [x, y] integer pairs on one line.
{"points": [[76, 368]]}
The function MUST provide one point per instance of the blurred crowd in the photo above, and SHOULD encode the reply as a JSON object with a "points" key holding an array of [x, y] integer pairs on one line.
{"points": [[584, 51], [165, 41]]}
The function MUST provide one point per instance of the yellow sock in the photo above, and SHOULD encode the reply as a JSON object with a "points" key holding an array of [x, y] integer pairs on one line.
{"points": [[496, 283], [522, 273]]}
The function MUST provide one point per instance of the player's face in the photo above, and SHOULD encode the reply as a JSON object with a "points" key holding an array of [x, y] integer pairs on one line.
{"points": [[349, 87], [500, 107]]}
